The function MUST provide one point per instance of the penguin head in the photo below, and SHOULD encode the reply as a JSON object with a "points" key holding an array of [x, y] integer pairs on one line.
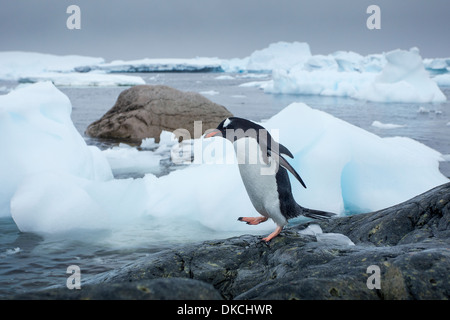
{"points": [[234, 128]]}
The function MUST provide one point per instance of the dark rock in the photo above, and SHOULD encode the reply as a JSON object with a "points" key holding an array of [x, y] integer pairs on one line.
{"points": [[144, 111], [409, 242], [155, 289]]}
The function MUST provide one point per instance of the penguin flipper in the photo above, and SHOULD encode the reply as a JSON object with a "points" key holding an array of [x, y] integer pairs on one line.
{"points": [[282, 149], [287, 166]]}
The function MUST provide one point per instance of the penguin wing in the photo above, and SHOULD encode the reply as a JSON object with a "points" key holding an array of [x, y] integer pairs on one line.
{"points": [[282, 161], [285, 150], [286, 165], [281, 150]]}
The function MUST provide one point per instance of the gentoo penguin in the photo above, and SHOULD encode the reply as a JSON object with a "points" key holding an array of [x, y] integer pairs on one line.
{"points": [[263, 172]]}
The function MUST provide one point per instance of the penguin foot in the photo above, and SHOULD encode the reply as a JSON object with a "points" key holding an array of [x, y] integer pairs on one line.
{"points": [[273, 234], [253, 220]]}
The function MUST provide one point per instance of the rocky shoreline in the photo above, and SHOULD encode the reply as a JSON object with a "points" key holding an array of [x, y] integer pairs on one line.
{"points": [[409, 244]]}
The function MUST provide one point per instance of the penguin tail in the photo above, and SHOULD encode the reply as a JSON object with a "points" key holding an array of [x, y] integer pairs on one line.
{"points": [[314, 214]]}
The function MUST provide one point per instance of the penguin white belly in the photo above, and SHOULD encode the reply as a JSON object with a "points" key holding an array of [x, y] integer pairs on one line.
{"points": [[261, 187]]}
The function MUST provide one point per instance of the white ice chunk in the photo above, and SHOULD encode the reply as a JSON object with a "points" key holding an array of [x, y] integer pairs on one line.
{"points": [[224, 77], [280, 55], [402, 79], [160, 65], [334, 239], [442, 80], [84, 79], [327, 238], [311, 230], [37, 135], [17, 64], [382, 125], [210, 92], [130, 160]]}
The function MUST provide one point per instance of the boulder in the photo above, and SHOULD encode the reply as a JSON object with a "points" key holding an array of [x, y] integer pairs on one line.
{"points": [[144, 111]]}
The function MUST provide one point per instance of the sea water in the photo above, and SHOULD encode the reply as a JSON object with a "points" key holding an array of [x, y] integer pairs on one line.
{"points": [[29, 261]]}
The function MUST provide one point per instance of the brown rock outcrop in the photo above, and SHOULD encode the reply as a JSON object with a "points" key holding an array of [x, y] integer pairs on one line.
{"points": [[144, 111]]}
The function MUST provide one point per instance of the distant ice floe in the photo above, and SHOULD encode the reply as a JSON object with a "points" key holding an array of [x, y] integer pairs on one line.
{"points": [[402, 78], [280, 55], [381, 125], [396, 76], [30, 67], [158, 65], [442, 80], [52, 182], [209, 92], [84, 79]]}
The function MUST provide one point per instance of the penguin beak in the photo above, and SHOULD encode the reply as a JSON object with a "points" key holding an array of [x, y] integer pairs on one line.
{"points": [[213, 133]]}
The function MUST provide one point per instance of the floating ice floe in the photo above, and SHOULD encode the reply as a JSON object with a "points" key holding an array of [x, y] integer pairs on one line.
{"points": [[442, 80], [53, 182], [280, 55], [126, 160], [209, 92], [17, 64], [37, 135], [382, 125], [61, 70], [199, 64], [224, 77], [84, 79], [402, 79]]}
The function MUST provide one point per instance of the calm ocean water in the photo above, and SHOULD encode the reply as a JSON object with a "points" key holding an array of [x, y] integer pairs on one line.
{"points": [[29, 261]]}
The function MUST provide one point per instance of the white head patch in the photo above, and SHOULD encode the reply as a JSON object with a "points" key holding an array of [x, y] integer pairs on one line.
{"points": [[227, 122]]}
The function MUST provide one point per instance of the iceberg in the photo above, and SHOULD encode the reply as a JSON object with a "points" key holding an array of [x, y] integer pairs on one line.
{"points": [[83, 79], [31, 67], [17, 64], [442, 80], [37, 135], [126, 160], [52, 182], [403, 78], [437, 65], [280, 55], [199, 64]]}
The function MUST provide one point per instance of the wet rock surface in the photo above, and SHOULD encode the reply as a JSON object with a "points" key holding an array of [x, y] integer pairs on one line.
{"points": [[409, 243]]}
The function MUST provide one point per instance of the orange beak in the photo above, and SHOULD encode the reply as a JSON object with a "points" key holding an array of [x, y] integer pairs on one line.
{"points": [[212, 133]]}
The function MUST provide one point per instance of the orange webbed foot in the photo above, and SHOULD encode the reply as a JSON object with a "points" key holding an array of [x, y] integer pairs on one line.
{"points": [[273, 234], [253, 220]]}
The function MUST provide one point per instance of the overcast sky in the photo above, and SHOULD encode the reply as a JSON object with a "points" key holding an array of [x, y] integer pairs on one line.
{"points": [[134, 29]]}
